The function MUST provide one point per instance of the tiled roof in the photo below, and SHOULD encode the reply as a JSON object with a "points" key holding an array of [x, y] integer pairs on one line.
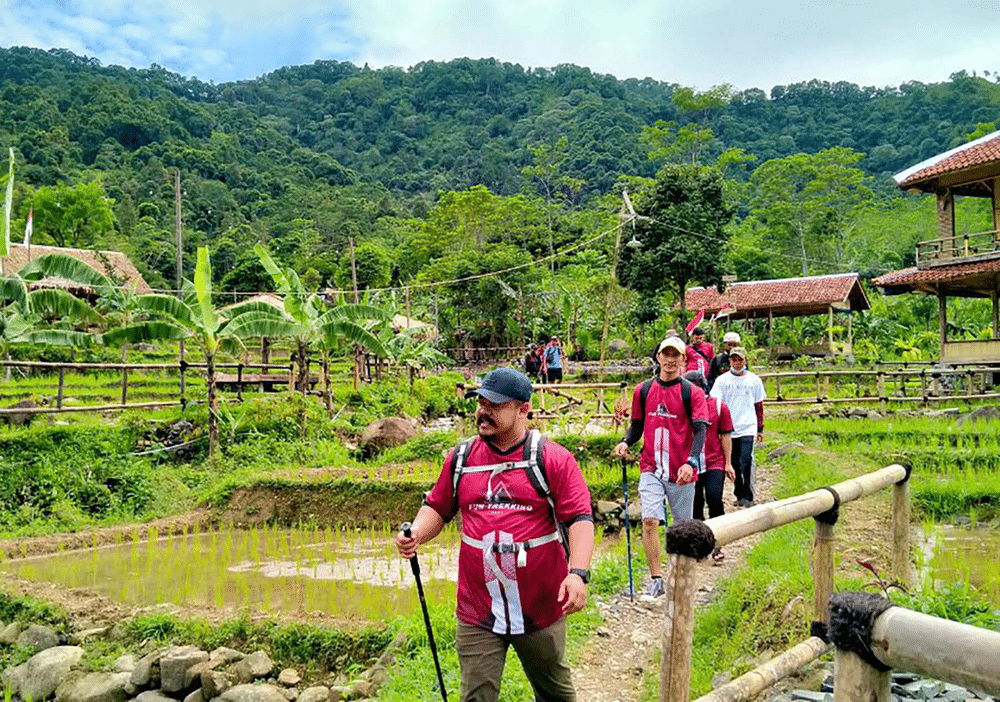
{"points": [[941, 274], [806, 295], [101, 260], [976, 153]]}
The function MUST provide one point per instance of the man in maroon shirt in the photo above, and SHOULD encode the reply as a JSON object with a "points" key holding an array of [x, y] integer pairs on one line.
{"points": [[515, 582], [673, 435]]}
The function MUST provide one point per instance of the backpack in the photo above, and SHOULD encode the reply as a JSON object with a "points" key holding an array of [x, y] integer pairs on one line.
{"points": [[534, 466], [685, 396]]}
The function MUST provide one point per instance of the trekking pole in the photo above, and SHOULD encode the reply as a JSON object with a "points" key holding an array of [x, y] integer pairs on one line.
{"points": [[415, 567], [628, 533]]}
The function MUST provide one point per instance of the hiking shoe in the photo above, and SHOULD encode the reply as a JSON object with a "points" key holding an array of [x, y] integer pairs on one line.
{"points": [[655, 587], [718, 556]]}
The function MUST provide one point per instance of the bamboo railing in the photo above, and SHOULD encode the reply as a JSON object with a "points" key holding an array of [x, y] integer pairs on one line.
{"points": [[872, 637], [691, 541]]}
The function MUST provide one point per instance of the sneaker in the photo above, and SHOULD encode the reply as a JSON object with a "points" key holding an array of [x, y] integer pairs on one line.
{"points": [[718, 556], [655, 587]]}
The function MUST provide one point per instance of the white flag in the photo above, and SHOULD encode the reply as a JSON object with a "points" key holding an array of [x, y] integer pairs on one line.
{"points": [[27, 228], [5, 250]]}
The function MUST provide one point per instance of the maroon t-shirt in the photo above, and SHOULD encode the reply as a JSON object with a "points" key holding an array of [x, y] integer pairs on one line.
{"points": [[697, 362], [666, 431], [718, 423], [516, 513]]}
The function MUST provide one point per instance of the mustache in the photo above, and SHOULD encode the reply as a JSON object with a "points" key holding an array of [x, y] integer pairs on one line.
{"points": [[488, 420]]}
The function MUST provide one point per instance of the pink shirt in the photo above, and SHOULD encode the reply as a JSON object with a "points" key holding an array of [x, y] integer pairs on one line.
{"points": [[516, 512], [697, 362], [666, 431], [718, 423]]}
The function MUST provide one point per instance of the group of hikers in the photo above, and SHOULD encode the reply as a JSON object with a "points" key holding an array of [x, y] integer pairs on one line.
{"points": [[527, 526], [544, 361]]}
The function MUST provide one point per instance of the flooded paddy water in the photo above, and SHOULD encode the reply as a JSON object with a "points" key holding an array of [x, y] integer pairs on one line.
{"points": [[340, 572], [954, 553]]}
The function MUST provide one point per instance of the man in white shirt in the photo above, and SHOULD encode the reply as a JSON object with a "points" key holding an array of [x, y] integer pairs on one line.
{"points": [[744, 393]]}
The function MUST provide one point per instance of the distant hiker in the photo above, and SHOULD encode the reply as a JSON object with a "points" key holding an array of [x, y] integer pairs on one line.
{"points": [[720, 363], [532, 361], [744, 392], [524, 506], [553, 360], [716, 464], [699, 352], [669, 414]]}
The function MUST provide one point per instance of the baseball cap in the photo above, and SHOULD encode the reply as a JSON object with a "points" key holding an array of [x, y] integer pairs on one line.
{"points": [[672, 342], [739, 351], [731, 336], [504, 385]]}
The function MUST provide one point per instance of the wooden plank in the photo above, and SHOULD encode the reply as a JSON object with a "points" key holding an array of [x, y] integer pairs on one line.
{"points": [[749, 685]]}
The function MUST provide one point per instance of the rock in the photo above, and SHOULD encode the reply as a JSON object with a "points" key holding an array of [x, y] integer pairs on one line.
{"points": [[377, 675], [174, 663], [125, 663], [256, 665], [224, 656], [319, 693], [214, 683], [253, 693], [603, 632], [362, 688], [39, 676], [20, 419], [985, 414], [386, 433], [37, 638], [153, 696], [388, 656], [634, 512], [606, 507], [289, 677], [874, 416], [10, 633], [147, 671], [782, 450], [339, 692], [80, 637], [813, 696], [93, 687], [196, 696]]}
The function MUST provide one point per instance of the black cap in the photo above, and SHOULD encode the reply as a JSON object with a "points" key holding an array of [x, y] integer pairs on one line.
{"points": [[504, 385], [699, 331]]}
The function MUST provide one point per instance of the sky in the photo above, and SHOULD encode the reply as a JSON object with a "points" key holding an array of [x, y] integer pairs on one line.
{"points": [[698, 43]]}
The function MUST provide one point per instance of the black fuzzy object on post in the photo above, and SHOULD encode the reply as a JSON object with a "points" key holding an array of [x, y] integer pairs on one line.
{"points": [[852, 617], [691, 538]]}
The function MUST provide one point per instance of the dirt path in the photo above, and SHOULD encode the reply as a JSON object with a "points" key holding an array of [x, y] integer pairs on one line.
{"points": [[614, 662]]}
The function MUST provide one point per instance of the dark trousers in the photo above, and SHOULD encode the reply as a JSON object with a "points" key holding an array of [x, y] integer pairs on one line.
{"points": [[482, 654], [709, 489], [743, 465]]}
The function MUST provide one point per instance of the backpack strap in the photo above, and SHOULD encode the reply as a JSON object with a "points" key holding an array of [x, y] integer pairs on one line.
{"points": [[700, 353], [686, 397], [535, 455], [643, 393], [458, 457]]}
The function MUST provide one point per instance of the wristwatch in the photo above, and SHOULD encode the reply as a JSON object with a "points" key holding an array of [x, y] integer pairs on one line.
{"points": [[584, 574]]}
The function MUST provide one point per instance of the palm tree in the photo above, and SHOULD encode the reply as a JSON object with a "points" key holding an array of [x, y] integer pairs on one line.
{"points": [[307, 319], [194, 316]]}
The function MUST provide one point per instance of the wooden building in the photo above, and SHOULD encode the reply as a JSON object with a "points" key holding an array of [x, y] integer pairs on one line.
{"points": [[953, 264], [789, 297]]}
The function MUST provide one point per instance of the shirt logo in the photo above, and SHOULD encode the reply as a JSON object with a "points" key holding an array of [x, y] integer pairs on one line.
{"points": [[501, 496], [662, 411]]}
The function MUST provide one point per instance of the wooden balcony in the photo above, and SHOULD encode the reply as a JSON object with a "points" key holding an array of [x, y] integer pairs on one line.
{"points": [[965, 248]]}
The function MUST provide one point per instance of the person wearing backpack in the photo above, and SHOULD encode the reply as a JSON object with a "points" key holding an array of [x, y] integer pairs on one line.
{"points": [[720, 363], [669, 414], [716, 459], [699, 352], [527, 540]]}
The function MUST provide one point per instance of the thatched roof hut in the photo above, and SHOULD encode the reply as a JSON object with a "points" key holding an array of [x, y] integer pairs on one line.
{"points": [[113, 264]]}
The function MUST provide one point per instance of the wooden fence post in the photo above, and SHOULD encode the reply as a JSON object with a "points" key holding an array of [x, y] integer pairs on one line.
{"points": [[124, 385], [901, 529], [822, 561], [687, 543], [239, 382], [883, 400], [62, 383], [857, 673]]}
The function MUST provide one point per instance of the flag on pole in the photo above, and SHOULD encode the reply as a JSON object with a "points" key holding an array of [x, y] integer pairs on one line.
{"points": [[5, 250], [724, 311], [696, 321], [27, 228]]}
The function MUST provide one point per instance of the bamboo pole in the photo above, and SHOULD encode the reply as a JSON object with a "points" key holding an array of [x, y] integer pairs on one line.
{"points": [[823, 548], [62, 385], [91, 408], [681, 586], [901, 532], [124, 386], [734, 526], [957, 653], [854, 679], [751, 684]]}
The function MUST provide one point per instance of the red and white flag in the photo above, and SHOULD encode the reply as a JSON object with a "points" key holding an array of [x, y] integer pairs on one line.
{"points": [[696, 321], [27, 228], [724, 311]]}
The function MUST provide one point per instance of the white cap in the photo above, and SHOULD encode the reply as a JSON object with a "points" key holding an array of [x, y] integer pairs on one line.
{"points": [[672, 342], [731, 336]]}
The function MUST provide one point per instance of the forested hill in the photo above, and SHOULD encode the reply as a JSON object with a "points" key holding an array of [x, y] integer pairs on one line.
{"points": [[307, 155]]}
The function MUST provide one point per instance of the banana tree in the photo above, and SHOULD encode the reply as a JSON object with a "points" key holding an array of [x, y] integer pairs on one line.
{"points": [[406, 348], [173, 319], [308, 320]]}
